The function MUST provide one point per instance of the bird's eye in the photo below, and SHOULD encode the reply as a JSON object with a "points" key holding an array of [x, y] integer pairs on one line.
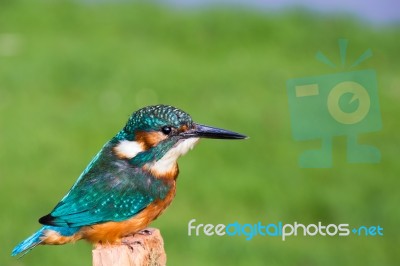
{"points": [[166, 130]]}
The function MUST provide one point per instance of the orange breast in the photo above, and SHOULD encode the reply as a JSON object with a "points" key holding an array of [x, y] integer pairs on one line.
{"points": [[112, 232]]}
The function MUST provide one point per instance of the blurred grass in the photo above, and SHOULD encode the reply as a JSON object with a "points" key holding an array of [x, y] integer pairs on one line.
{"points": [[71, 74]]}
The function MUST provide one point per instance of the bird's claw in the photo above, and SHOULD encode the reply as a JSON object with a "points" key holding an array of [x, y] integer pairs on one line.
{"points": [[145, 232]]}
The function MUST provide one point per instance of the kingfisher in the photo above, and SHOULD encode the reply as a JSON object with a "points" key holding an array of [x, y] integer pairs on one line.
{"points": [[128, 184]]}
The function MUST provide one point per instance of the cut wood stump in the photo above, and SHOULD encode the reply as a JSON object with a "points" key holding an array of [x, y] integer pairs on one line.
{"points": [[142, 249]]}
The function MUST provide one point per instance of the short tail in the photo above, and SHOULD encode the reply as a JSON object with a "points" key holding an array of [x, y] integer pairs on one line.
{"points": [[29, 243], [40, 238]]}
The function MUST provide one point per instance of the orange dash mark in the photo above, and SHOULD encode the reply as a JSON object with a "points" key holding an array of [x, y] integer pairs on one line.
{"points": [[183, 128]]}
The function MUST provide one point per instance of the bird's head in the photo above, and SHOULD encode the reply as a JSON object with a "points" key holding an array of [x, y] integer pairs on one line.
{"points": [[156, 136]]}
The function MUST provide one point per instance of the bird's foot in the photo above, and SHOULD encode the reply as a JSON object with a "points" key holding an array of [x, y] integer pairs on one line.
{"points": [[145, 232]]}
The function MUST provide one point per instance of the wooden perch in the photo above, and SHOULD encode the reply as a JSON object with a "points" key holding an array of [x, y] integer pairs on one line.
{"points": [[142, 249]]}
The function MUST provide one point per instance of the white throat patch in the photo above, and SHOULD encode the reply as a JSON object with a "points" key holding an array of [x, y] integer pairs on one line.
{"points": [[128, 149], [168, 161]]}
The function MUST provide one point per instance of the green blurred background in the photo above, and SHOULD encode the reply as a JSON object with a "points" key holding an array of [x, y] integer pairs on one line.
{"points": [[72, 73]]}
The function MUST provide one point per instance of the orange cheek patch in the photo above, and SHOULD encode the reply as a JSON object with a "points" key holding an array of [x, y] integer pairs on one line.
{"points": [[149, 139]]}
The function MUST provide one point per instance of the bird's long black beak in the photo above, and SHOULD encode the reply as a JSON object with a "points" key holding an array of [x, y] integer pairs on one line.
{"points": [[202, 131]]}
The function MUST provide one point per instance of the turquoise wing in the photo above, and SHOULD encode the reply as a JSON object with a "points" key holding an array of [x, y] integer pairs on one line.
{"points": [[106, 192]]}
